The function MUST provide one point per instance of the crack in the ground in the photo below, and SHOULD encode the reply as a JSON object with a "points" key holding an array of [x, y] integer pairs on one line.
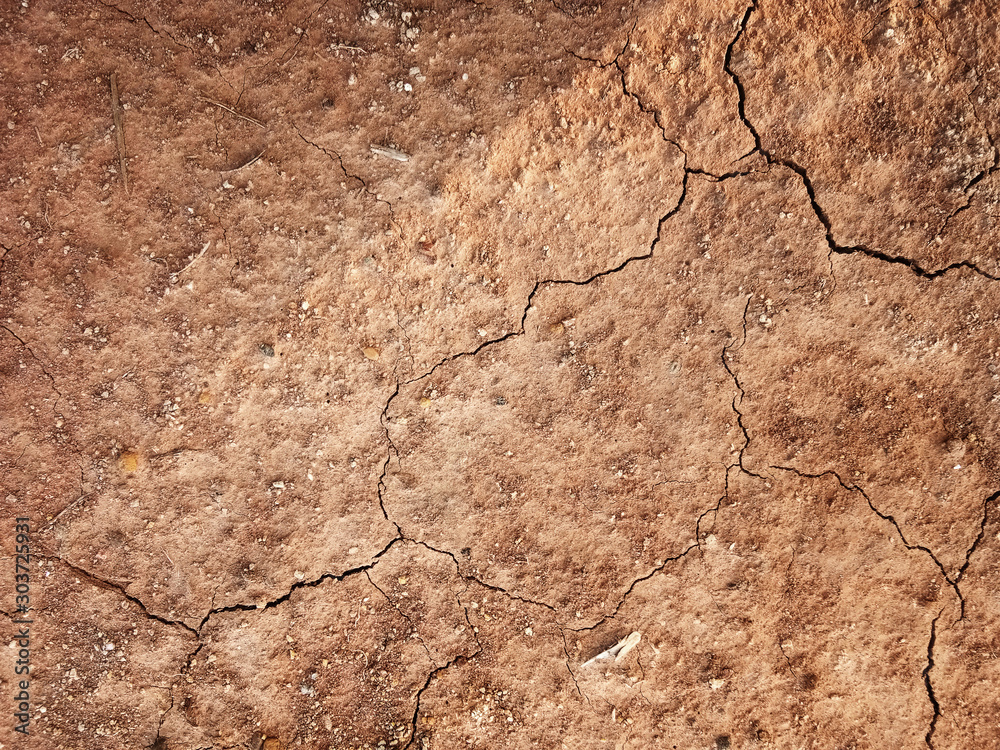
{"points": [[7, 250], [24, 344], [600, 63], [741, 94], [663, 564], [302, 584], [143, 20], [824, 219], [979, 538], [467, 577], [788, 661], [570, 669], [624, 597], [460, 659], [103, 583], [339, 160], [952, 582], [926, 674], [738, 398], [385, 419], [555, 282], [655, 114], [714, 510], [304, 26], [403, 615], [390, 450], [976, 179]]}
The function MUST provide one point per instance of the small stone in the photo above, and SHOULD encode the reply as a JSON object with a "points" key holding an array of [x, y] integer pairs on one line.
{"points": [[371, 352], [129, 461], [267, 350]]}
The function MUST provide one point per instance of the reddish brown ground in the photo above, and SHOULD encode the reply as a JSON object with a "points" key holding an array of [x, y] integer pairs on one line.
{"points": [[431, 349]]}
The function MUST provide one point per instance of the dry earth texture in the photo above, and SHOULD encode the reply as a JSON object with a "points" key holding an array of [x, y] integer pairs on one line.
{"points": [[388, 361]]}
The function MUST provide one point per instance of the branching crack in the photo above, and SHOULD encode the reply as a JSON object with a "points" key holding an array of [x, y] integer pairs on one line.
{"points": [[403, 615], [391, 449], [834, 246], [103, 583], [460, 659], [302, 584], [336, 157], [953, 582], [471, 578]]}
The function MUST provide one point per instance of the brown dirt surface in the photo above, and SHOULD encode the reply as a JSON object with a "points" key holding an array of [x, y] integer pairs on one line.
{"points": [[414, 356]]}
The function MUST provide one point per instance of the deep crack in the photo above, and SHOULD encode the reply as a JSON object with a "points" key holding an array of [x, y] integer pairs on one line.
{"points": [[460, 659], [302, 584], [834, 246], [929, 737], [891, 519], [103, 583]]}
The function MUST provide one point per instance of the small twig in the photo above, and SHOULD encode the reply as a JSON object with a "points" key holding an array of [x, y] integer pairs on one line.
{"points": [[193, 260], [119, 131], [232, 111], [68, 507], [252, 161], [39, 137], [334, 47]]}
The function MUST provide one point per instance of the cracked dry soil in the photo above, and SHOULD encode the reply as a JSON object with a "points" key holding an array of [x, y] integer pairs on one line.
{"points": [[431, 348]]}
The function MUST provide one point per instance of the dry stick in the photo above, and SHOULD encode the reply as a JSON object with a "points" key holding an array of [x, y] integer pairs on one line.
{"points": [[193, 260], [68, 507], [119, 132], [258, 123], [244, 166]]}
